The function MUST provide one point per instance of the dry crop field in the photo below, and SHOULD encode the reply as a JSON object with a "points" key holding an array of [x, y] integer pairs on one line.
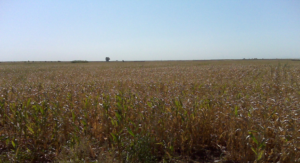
{"points": [[197, 111]]}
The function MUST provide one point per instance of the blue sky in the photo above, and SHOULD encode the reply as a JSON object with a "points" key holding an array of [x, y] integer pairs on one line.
{"points": [[67, 30]]}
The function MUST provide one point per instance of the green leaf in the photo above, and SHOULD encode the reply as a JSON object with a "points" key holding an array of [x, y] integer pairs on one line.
{"points": [[249, 114], [177, 103], [8, 117], [119, 106], [112, 122], [118, 116], [130, 132], [262, 145], [253, 138], [260, 154], [83, 122], [73, 116], [17, 151], [42, 110], [235, 110], [171, 148], [77, 129], [13, 144], [7, 141], [254, 150], [114, 136], [28, 102], [30, 129], [149, 104]]}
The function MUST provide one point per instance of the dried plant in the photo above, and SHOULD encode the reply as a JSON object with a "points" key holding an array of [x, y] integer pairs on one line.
{"points": [[236, 111]]}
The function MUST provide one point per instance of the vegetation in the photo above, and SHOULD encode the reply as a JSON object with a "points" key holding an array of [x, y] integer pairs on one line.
{"points": [[198, 111], [79, 61]]}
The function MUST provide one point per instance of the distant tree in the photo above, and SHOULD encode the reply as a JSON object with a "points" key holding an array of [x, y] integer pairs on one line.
{"points": [[107, 59]]}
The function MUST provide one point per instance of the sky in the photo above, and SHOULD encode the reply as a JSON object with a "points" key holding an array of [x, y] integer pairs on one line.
{"points": [[54, 30]]}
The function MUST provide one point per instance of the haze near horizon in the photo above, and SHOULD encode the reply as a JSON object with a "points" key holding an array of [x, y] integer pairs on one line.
{"points": [[148, 30]]}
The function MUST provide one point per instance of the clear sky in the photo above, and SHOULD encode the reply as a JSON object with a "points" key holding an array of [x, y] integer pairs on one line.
{"points": [[44, 30]]}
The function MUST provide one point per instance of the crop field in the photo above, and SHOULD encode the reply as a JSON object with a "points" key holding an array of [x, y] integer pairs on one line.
{"points": [[188, 111]]}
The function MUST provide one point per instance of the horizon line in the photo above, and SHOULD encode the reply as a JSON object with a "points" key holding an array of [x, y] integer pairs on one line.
{"points": [[158, 60]]}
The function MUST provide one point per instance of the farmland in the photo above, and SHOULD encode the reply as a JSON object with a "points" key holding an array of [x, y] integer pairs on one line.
{"points": [[236, 111]]}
